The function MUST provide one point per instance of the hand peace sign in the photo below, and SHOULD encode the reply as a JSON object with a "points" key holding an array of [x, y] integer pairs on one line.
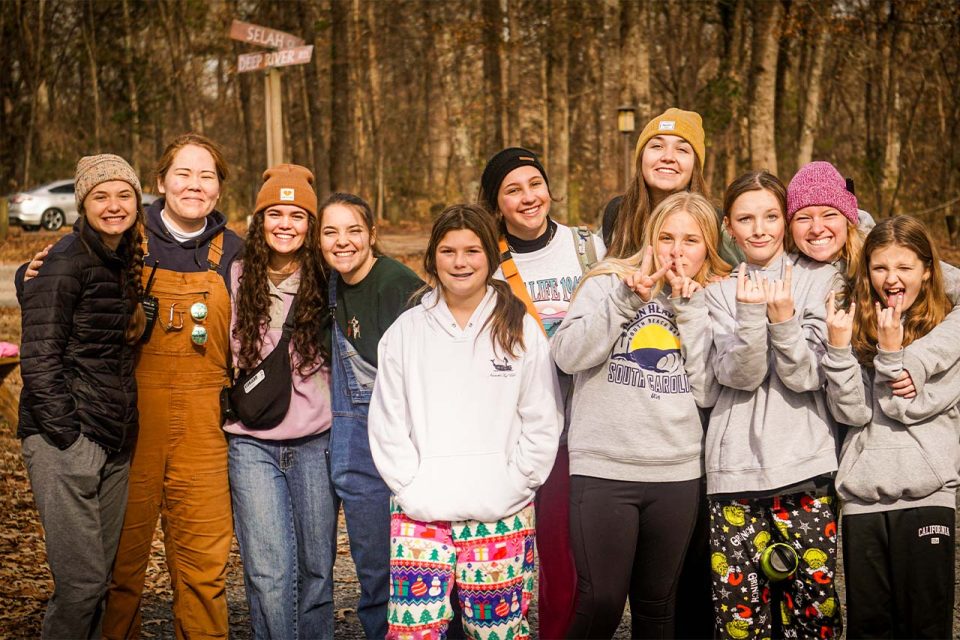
{"points": [[839, 322], [642, 281], [779, 296], [889, 329], [750, 290], [681, 285]]}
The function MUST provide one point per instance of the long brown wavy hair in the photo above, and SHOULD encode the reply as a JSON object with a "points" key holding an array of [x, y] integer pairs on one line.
{"points": [[932, 304], [506, 321], [635, 209], [311, 320], [130, 251]]}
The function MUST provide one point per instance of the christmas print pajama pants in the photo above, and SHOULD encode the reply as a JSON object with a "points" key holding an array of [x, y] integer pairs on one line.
{"points": [[491, 563], [746, 602]]}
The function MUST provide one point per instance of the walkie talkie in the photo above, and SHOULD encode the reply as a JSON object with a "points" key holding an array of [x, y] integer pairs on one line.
{"points": [[151, 305]]}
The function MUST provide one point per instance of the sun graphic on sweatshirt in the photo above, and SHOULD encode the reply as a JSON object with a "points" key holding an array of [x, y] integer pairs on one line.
{"points": [[653, 336]]}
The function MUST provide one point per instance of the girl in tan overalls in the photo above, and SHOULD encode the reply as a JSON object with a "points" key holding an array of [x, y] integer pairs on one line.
{"points": [[179, 466]]}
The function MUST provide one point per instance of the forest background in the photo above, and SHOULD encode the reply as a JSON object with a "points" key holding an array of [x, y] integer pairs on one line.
{"points": [[404, 100]]}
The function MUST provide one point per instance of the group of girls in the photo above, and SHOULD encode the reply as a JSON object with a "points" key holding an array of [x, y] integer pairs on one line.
{"points": [[530, 394]]}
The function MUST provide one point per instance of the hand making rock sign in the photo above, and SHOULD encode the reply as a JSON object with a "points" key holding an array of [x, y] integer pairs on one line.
{"points": [[750, 290], [642, 281], [839, 322], [779, 296], [889, 328]]}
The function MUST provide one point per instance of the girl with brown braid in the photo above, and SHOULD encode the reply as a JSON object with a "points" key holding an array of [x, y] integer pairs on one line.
{"points": [[78, 409], [285, 512]]}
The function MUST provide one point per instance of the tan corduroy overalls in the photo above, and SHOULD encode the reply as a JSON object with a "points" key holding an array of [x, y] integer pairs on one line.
{"points": [[179, 465]]}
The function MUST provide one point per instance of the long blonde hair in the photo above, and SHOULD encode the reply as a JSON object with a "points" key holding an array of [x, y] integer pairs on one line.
{"points": [[700, 209]]}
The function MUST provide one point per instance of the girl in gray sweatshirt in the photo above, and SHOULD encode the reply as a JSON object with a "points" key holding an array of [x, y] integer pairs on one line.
{"points": [[635, 435], [898, 471], [771, 444]]}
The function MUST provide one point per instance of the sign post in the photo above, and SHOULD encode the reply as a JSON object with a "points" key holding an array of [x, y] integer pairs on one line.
{"points": [[287, 50]]}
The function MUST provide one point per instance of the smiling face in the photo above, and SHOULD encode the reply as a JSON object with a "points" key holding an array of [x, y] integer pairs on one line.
{"points": [[191, 187], [524, 201], [820, 232], [462, 267], [346, 242], [756, 223], [285, 229], [110, 209], [896, 270], [667, 165], [680, 241]]}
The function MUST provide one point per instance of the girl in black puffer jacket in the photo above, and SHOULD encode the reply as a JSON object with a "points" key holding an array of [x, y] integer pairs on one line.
{"points": [[78, 410]]}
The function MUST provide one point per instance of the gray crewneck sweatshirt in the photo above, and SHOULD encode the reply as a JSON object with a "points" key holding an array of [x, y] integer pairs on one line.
{"points": [[770, 427], [634, 410], [900, 453]]}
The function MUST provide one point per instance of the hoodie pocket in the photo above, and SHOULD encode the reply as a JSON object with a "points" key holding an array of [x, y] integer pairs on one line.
{"points": [[887, 474], [478, 486]]}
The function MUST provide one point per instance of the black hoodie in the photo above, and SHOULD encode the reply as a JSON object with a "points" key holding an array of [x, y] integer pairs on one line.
{"points": [[189, 256]]}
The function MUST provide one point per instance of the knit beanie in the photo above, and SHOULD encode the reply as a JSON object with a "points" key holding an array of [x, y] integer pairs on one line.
{"points": [[675, 122], [500, 165], [287, 184], [820, 184], [94, 170]]}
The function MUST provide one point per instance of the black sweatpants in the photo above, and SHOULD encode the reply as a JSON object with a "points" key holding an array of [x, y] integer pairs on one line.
{"points": [[629, 540], [899, 571], [694, 610]]}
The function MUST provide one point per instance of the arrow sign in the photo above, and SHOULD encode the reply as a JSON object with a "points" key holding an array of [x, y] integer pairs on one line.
{"points": [[287, 57], [263, 36]]}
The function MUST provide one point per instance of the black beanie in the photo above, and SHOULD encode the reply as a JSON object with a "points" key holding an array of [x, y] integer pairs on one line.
{"points": [[500, 165]]}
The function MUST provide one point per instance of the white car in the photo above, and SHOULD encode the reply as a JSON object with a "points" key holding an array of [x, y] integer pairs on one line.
{"points": [[50, 206]]}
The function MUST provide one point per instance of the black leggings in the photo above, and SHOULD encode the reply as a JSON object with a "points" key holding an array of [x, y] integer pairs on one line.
{"points": [[629, 539]]}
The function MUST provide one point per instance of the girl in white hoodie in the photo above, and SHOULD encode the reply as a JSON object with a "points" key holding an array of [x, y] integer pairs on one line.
{"points": [[464, 425]]}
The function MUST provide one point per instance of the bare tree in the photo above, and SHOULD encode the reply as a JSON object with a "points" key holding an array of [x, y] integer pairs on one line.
{"points": [[762, 107]]}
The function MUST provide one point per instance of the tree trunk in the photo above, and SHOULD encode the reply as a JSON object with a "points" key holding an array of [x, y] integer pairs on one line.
{"points": [[811, 99], [494, 121], [131, 82], [341, 134], [34, 42], [635, 58], [88, 30], [557, 149], [762, 109], [318, 160]]}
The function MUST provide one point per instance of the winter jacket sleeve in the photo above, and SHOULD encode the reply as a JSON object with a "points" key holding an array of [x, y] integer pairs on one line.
{"points": [[696, 345], [594, 321], [49, 301], [848, 387], [540, 408], [740, 340], [391, 445], [935, 394]]}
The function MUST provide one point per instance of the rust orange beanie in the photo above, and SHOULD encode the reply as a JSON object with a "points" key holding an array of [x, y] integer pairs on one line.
{"points": [[287, 184]]}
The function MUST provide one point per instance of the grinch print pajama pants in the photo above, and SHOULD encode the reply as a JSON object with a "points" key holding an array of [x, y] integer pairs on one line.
{"points": [[747, 603], [491, 563]]}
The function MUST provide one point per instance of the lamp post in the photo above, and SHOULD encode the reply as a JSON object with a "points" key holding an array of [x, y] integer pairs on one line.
{"points": [[626, 124]]}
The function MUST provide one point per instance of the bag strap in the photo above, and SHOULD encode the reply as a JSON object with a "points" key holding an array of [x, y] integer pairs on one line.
{"points": [[215, 252], [512, 275], [288, 323], [586, 245]]}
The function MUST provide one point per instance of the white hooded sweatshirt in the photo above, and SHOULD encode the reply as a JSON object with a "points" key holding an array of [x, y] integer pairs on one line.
{"points": [[458, 430]]}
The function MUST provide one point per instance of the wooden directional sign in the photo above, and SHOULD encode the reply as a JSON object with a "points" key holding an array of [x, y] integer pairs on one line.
{"points": [[285, 58], [263, 36]]}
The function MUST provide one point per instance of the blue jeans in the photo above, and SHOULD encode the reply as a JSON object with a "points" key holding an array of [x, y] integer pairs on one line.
{"points": [[365, 497], [285, 515]]}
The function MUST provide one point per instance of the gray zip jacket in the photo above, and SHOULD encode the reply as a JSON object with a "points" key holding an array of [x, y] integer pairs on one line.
{"points": [[900, 453], [770, 427], [634, 410]]}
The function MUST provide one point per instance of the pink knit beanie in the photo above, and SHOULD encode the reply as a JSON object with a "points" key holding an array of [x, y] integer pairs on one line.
{"points": [[820, 184]]}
